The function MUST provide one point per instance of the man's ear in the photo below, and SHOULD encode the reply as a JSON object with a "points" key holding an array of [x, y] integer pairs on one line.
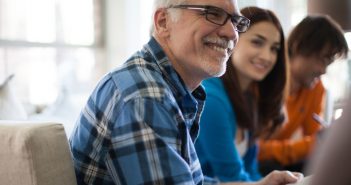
{"points": [[161, 20]]}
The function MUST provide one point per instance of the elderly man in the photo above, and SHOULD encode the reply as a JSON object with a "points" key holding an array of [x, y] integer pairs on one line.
{"points": [[141, 121]]}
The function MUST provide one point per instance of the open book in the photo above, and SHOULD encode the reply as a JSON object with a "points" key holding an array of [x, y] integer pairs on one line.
{"points": [[305, 181]]}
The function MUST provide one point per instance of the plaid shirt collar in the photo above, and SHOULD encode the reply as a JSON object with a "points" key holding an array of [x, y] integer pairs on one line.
{"points": [[177, 85]]}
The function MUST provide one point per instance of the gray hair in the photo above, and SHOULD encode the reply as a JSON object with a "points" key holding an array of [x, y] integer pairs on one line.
{"points": [[165, 4]]}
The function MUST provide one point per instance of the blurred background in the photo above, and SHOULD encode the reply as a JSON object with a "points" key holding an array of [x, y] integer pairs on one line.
{"points": [[57, 50]]}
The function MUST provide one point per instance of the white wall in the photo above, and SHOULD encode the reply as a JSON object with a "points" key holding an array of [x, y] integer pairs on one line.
{"points": [[128, 23], [289, 12]]}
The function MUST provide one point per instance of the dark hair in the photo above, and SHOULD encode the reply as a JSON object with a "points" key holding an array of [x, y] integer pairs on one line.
{"points": [[260, 109], [313, 34]]}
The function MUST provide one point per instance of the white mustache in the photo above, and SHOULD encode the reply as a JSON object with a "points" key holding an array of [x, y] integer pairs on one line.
{"points": [[224, 43]]}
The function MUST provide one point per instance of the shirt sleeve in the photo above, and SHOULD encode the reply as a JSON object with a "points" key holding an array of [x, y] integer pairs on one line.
{"points": [[145, 148], [286, 150], [251, 163]]}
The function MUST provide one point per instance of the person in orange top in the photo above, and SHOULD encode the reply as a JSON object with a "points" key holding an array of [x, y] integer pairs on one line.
{"points": [[313, 44]]}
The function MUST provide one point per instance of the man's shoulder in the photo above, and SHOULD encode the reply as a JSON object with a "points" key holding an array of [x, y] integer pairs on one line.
{"points": [[138, 78], [319, 86], [135, 71], [317, 89]]}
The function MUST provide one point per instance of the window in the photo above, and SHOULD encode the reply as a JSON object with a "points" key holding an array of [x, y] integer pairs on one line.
{"points": [[50, 46]]}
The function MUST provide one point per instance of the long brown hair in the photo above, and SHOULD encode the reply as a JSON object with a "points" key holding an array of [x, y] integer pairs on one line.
{"points": [[260, 108]]}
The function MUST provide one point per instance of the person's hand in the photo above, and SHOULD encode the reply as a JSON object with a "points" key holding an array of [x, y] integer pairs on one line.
{"points": [[280, 178], [273, 178]]}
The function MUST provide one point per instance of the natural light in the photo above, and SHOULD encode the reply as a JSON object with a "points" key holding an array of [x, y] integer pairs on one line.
{"points": [[348, 38], [50, 45], [47, 44], [71, 18]]}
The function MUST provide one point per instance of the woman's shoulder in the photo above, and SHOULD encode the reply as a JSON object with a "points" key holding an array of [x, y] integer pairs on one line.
{"points": [[213, 85], [215, 92]]}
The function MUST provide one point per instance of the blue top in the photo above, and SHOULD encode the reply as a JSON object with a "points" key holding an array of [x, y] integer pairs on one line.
{"points": [[215, 146], [139, 125]]}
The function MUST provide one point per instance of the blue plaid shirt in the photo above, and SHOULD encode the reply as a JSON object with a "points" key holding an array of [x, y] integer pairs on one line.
{"points": [[139, 126]]}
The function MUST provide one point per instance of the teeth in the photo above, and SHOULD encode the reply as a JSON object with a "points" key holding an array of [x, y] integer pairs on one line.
{"points": [[220, 43], [261, 66], [219, 49]]}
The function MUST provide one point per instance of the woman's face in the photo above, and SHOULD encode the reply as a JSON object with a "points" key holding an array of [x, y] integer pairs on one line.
{"points": [[256, 52]]}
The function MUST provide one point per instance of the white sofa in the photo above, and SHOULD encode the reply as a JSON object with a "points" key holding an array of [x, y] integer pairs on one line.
{"points": [[35, 154]]}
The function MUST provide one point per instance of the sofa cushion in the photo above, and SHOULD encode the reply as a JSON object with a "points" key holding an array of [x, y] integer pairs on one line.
{"points": [[35, 154]]}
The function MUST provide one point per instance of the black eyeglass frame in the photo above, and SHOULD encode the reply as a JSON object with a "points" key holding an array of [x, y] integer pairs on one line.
{"points": [[241, 23]]}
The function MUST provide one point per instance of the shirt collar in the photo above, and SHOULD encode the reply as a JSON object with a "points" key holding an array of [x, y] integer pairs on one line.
{"points": [[168, 72], [191, 103]]}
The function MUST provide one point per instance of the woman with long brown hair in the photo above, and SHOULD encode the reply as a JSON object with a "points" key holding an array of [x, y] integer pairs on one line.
{"points": [[245, 102]]}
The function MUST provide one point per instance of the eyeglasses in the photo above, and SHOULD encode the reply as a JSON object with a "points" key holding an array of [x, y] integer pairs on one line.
{"points": [[219, 16]]}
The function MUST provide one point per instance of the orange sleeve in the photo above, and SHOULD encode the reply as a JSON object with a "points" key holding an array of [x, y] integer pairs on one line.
{"points": [[311, 126], [283, 146], [285, 151]]}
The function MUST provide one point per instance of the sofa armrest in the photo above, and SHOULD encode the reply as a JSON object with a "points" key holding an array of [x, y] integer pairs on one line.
{"points": [[35, 154]]}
